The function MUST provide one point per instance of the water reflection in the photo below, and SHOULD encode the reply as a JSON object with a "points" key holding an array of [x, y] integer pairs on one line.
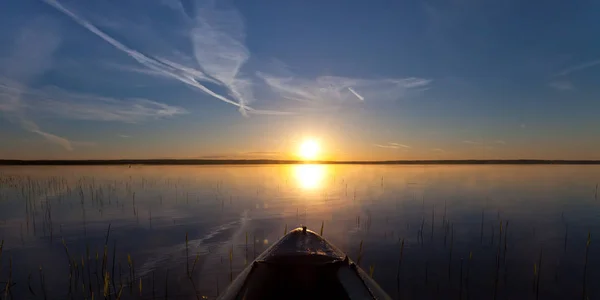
{"points": [[238, 211], [310, 177]]}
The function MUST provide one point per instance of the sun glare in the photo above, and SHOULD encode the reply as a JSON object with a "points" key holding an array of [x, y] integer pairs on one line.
{"points": [[309, 150], [310, 176]]}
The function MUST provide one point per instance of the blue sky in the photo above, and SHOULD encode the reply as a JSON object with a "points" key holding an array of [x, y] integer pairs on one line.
{"points": [[253, 79]]}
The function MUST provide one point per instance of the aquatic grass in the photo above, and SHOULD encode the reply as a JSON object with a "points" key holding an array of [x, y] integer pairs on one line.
{"points": [[399, 267], [467, 279], [43, 282], [1, 249], [481, 234], [187, 259], [29, 285], [106, 284], [105, 253], [360, 253], [194, 264], [460, 285], [566, 236], [231, 264], [585, 266], [113, 265], [322, 226], [539, 273]]}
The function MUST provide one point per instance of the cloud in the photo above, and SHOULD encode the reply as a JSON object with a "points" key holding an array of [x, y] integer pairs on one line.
{"points": [[500, 142], [31, 56], [438, 150], [561, 85], [392, 146], [471, 142], [399, 145], [338, 90], [78, 106], [579, 67], [123, 136], [33, 127], [217, 39], [33, 49]]}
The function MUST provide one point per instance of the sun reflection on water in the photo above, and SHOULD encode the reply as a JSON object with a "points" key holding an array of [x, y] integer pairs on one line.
{"points": [[310, 176]]}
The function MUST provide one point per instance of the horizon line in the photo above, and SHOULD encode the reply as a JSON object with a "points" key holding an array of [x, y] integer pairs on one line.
{"points": [[194, 161]]}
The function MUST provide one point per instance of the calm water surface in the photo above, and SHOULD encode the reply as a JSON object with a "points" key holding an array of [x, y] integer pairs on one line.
{"points": [[472, 231]]}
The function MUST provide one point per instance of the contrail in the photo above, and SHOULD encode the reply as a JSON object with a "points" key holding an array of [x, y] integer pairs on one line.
{"points": [[356, 94], [149, 62]]}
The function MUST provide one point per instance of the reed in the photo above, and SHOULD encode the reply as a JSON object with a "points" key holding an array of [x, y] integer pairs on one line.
{"points": [[231, 264], [360, 253], [187, 260], [29, 285], [585, 266], [43, 283], [539, 273], [106, 284], [113, 266], [1, 248], [566, 236], [194, 264], [322, 226], [460, 287], [481, 233], [468, 278], [399, 268]]}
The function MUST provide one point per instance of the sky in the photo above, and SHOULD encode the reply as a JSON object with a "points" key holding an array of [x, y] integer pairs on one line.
{"points": [[366, 80]]}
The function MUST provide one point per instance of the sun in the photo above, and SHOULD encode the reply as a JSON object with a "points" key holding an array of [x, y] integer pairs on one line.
{"points": [[309, 149]]}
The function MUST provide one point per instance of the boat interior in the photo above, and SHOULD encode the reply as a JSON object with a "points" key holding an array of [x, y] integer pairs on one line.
{"points": [[295, 280]]}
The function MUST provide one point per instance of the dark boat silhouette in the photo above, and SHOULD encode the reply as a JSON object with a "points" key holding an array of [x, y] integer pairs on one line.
{"points": [[303, 265]]}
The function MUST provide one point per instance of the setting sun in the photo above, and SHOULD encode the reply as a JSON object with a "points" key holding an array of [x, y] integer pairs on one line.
{"points": [[309, 149]]}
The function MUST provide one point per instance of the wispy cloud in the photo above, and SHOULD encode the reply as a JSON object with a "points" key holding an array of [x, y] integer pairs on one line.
{"points": [[399, 145], [337, 89], [217, 37], [31, 56], [33, 127], [438, 150], [484, 143], [123, 136], [392, 146], [77, 106], [561, 85], [578, 67]]}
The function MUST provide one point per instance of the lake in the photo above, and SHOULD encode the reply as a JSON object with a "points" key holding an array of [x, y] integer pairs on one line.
{"points": [[424, 232]]}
